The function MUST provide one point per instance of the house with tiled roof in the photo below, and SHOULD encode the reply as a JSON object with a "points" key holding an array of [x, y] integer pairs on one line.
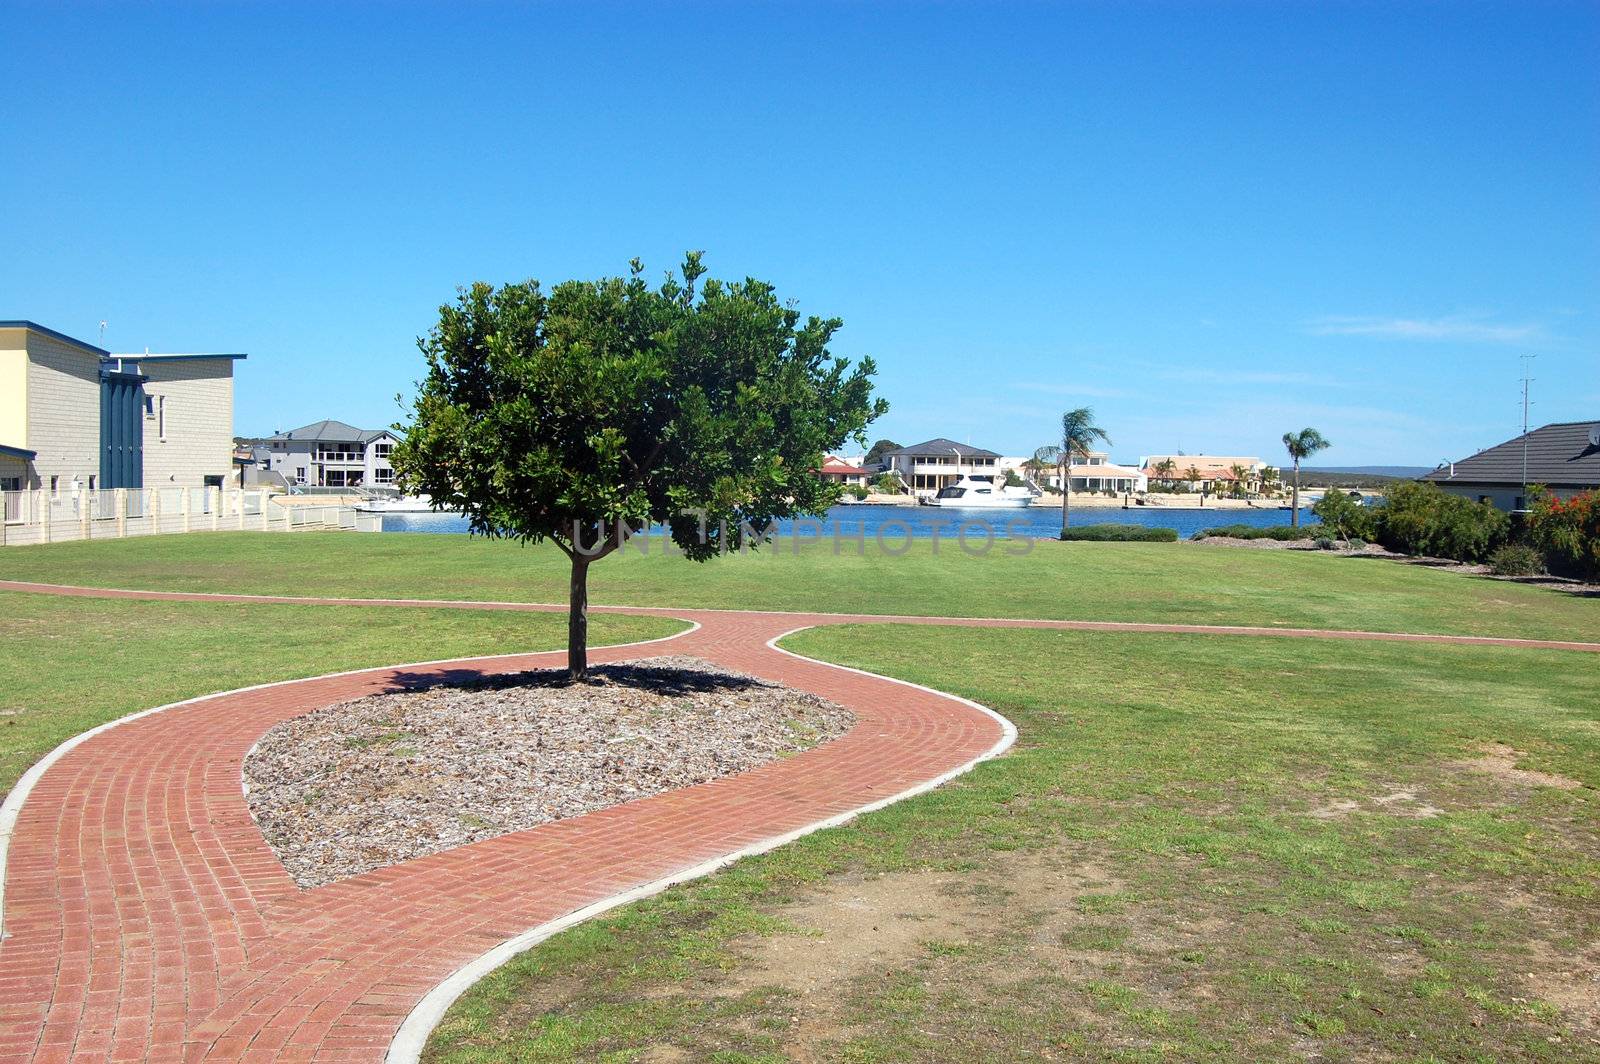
{"points": [[937, 463], [842, 471], [1204, 472], [1563, 457], [328, 454]]}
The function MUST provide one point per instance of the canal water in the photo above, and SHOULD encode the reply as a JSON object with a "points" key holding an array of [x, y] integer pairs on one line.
{"points": [[921, 522]]}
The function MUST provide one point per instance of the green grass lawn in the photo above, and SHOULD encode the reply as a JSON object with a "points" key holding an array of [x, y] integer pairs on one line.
{"points": [[1172, 582], [1201, 848], [71, 664]]}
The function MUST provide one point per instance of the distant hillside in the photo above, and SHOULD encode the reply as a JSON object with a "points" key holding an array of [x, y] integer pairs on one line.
{"points": [[1378, 470], [1355, 476]]}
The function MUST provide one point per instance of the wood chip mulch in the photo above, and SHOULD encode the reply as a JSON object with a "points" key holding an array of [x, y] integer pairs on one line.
{"points": [[391, 777]]}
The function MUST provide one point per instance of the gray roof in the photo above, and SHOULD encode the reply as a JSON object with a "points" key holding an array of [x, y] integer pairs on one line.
{"points": [[942, 446], [331, 432], [1558, 455]]}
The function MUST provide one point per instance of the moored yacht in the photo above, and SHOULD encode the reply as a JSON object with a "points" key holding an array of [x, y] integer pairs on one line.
{"points": [[404, 504], [976, 490]]}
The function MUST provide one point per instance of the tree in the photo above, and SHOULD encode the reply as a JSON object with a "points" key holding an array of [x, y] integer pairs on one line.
{"points": [[1343, 516], [878, 450], [1078, 434], [588, 413], [1302, 444], [1192, 475], [1164, 469], [1241, 479], [888, 482]]}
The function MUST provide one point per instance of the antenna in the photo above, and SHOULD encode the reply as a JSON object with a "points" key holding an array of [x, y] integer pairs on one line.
{"points": [[1527, 379], [103, 325]]}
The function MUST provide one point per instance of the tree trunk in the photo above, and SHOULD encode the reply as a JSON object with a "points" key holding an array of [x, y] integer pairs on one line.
{"points": [[1066, 494], [578, 620], [1294, 506]]}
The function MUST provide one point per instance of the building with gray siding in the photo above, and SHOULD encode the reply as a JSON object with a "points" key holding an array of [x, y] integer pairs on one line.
{"points": [[328, 454], [76, 418]]}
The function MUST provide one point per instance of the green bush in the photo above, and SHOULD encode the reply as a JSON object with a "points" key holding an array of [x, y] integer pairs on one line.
{"points": [[1516, 559], [1419, 518], [1120, 534], [1356, 543], [1325, 543], [857, 491], [1567, 532], [1278, 532], [1343, 516]]}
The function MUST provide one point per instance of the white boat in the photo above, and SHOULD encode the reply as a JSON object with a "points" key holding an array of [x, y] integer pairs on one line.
{"points": [[975, 490], [405, 504]]}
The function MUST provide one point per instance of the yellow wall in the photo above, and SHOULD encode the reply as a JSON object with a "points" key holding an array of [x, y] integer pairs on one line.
{"points": [[13, 389]]}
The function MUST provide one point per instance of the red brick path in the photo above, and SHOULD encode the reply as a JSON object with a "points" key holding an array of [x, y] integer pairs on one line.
{"points": [[145, 918]]}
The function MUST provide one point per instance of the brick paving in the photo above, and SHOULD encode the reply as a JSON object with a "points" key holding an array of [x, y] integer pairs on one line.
{"points": [[145, 918]]}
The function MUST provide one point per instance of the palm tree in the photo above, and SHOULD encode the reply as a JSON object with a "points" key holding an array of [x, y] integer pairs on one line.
{"points": [[1240, 473], [1078, 434], [1165, 468], [1192, 475], [1269, 478], [1302, 444]]}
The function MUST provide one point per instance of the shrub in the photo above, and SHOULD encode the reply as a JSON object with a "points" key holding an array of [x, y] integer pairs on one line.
{"points": [[1121, 533], [1325, 543], [856, 490], [1419, 518], [1356, 543], [1279, 532], [1516, 559], [1567, 532], [1342, 515]]}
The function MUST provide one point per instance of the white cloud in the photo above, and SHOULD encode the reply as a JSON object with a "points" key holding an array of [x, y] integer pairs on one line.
{"points": [[1464, 328]]}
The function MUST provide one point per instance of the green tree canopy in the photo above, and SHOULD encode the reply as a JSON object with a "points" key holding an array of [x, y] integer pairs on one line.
{"points": [[878, 450], [587, 413]]}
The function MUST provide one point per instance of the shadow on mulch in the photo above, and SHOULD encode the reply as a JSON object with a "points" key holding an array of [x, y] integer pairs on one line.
{"points": [[667, 680]]}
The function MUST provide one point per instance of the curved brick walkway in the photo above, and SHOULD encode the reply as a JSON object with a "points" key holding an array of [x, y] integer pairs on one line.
{"points": [[145, 918]]}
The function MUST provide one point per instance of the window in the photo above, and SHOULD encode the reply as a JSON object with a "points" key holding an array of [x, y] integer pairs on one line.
{"points": [[149, 406], [55, 487], [12, 488], [213, 481], [161, 417], [300, 473], [383, 450], [383, 476], [91, 481]]}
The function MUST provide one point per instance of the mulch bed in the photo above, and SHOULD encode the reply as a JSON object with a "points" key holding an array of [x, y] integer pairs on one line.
{"points": [[391, 777]]}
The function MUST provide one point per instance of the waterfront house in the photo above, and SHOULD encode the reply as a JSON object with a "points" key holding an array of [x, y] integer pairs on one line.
{"points": [[1204, 472], [77, 418], [1563, 457], [926, 467], [842, 471], [1096, 472], [329, 454]]}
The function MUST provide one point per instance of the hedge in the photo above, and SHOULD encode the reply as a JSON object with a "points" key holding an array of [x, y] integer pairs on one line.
{"points": [[1121, 534], [1279, 532]]}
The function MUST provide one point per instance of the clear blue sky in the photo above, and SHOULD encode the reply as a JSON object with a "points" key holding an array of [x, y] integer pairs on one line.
{"points": [[1211, 224]]}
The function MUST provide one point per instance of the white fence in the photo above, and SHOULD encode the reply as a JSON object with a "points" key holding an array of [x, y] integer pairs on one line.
{"points": [[39, 517]]}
